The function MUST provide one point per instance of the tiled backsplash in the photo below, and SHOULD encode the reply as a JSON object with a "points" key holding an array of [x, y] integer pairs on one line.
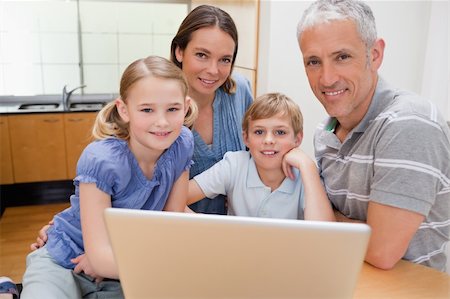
{"points": [[40, 53]]}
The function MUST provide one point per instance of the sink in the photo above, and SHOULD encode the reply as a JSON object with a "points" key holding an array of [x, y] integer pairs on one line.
{"points": [[34, 107], [86, 106]]}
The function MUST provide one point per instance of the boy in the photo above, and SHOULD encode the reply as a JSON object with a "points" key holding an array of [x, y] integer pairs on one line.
{"points": [[275, 179]]}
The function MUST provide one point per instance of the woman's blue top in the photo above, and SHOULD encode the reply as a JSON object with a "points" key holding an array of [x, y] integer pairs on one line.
{"points": [[111, 165], [228, 112]]}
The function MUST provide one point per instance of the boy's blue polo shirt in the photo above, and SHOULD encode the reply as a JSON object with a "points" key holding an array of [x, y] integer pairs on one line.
{"points": [[237, 177]]}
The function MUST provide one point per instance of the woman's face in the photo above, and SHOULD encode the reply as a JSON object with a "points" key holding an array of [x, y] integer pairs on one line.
{"points": [[206, 61]]}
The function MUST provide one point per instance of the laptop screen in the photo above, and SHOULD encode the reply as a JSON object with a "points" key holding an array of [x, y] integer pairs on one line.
{"points": [[178, 255]]}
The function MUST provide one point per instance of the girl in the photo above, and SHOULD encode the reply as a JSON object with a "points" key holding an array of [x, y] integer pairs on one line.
{"points": [[205, 48], [140, 160]]}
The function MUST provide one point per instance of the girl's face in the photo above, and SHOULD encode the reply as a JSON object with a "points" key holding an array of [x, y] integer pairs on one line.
{"points": [[155, 110], [206, 61]]}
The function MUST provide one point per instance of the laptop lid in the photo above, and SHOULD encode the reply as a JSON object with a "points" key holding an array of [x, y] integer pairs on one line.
{"points": [[178, 255]]}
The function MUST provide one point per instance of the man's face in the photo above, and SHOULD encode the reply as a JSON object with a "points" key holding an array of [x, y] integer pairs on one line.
{"points": [[341, 72]]}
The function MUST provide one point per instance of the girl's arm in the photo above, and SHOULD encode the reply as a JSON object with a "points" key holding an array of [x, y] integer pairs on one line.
{"points": [[97, 247], [317, 205], [177, 197]]}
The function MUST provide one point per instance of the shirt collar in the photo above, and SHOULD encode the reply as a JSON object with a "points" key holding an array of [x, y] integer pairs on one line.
{"points": [[253, 180], [382, 96]]}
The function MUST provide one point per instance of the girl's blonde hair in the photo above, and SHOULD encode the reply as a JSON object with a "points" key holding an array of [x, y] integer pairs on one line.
{"points": [[109, 123], [270, 105]]}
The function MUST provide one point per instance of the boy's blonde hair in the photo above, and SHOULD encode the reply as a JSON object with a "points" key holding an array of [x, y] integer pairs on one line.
{"points": [[270, 105], [109, 123]]}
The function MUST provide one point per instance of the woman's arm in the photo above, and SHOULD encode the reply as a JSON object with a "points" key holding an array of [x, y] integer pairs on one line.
{"points": [[317, 205], [178, 196], [97, 247]]}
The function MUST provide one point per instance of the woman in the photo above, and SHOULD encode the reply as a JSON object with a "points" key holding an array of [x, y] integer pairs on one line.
{"points": [[205, 48]]}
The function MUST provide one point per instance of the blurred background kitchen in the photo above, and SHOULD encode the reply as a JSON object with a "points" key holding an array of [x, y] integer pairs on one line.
{"points": [[60, 61]]}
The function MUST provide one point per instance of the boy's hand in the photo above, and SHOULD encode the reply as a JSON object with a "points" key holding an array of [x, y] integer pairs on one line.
{"points": [[298, 159], [83, 265], [42, 237]]}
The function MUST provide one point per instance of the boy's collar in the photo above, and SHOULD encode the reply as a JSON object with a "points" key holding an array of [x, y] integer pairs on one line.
{"points": [[253, 180]]}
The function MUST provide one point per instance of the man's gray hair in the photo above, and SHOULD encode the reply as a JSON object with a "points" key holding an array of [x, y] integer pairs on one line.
{"points": [[324, 11]]}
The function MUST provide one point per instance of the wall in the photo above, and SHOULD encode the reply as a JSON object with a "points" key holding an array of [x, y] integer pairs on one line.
{"points": [[403, 24], [41, 49]]}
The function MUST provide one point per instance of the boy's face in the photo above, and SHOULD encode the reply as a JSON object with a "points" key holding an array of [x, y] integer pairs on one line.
{"points": [[269, 139]]}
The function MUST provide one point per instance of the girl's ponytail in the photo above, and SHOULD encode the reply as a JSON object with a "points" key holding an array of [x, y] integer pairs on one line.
{"points": [[109, 123], [191, 114]]}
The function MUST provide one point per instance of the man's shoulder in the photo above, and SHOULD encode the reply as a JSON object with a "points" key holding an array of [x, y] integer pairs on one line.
{"points": [[410, 108]]}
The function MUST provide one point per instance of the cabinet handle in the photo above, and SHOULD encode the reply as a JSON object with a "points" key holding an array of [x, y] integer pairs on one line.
{"points": [[75, 119], [52, 120]]}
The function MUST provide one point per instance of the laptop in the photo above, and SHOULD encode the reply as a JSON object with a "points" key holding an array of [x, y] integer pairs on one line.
{"points": [[179, 255]]}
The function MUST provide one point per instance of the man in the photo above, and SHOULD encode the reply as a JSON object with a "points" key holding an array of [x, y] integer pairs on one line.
{"points": [[383, 154]]}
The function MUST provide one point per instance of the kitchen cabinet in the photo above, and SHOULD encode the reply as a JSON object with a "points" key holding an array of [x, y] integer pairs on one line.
{"points": [[6, 170], [78, 128], [38, 147]]}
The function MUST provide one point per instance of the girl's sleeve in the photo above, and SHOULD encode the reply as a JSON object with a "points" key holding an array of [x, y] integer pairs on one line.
{"points": [[185, 149], [105, 165]]}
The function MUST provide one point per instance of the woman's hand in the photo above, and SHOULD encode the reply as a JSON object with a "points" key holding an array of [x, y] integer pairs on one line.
{"points": [[83, 265], [42, 237]]}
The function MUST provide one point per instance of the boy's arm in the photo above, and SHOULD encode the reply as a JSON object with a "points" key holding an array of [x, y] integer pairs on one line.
{"points": [[195, 193], [317, 205], [177, 197]]}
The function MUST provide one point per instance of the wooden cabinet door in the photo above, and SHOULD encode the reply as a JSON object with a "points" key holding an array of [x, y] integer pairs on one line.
{"points": [[6, 170], [78, 128], [38, 147]]}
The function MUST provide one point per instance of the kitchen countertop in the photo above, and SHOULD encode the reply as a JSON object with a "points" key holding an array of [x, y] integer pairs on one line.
{"points": [[53, 103]]}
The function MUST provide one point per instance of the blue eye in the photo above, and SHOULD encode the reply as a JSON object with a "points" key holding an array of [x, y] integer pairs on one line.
{"points": [[147, 110], [280, 132], [258, 132], [173, 109]]}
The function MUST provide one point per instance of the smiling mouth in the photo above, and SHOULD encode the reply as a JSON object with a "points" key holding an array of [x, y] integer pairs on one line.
{"points": [[161, 134], [269, 153], [334, 93], [208, 82]]}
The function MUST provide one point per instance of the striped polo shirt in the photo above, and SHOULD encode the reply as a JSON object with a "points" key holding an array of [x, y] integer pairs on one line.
{"points": [[398, 155]]}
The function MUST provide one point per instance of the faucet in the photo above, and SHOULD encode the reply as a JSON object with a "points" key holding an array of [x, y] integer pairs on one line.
{"points": [[66, 96]]}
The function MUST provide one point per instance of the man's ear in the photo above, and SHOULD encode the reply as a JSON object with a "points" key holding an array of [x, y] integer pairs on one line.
{"points": [[179, 54], [122, 109], [298, 139], [377, 54]]}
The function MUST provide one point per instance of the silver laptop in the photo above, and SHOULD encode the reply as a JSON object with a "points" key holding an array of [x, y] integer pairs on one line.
{"points": [[178, 255]]}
